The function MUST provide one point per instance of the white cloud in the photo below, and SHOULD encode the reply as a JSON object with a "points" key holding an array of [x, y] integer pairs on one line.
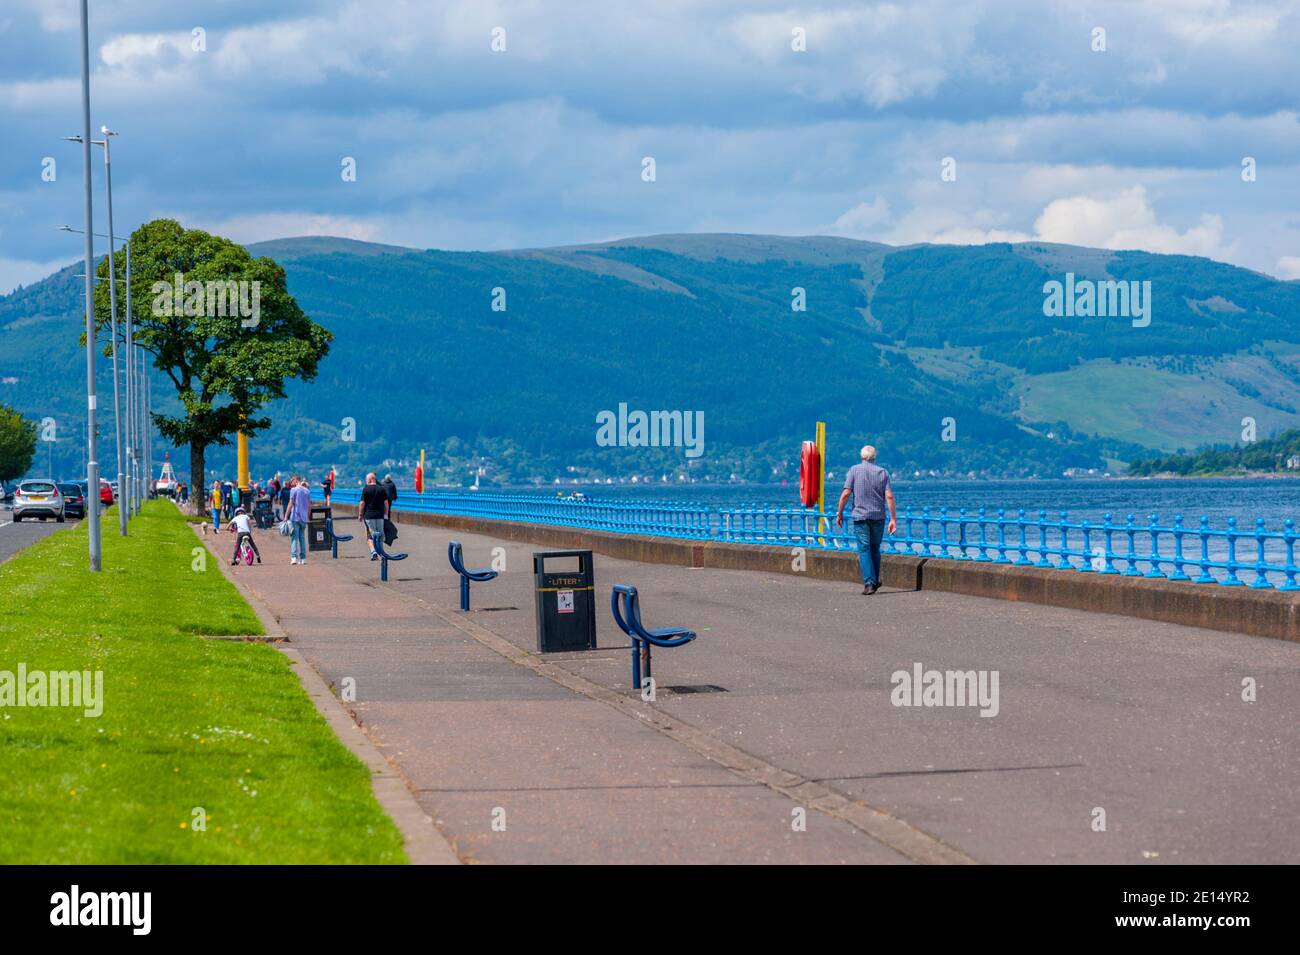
{"points": [[136, 46], [258, 227], [861, 221], [1127, 221], [1288, 267], [1119, 220]]}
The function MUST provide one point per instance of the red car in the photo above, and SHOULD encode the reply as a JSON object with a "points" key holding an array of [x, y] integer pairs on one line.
{"points": [[105, 493]]}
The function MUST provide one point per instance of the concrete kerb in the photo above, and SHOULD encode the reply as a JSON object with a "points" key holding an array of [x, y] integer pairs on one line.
{"points": [[423, 843], [1259, 613]]}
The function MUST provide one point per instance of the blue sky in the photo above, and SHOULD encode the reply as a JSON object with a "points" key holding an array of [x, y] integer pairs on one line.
{"points": [[461, 147]]}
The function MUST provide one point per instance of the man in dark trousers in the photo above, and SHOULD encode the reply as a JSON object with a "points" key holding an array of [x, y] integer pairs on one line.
{"points": [[872, 494], [373, 511]]}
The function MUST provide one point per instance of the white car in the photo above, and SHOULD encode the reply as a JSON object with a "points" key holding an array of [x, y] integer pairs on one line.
{"points": [[38, 499]]}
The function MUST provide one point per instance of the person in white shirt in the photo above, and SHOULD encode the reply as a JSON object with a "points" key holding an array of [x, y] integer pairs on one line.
{"points": [[243, 527]]}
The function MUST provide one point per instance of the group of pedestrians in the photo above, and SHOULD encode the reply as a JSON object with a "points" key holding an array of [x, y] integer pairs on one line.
{"points": [[282, 502], [874, 511], [275, 501]]}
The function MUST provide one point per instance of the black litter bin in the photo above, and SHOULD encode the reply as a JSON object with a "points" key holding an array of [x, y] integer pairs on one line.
{"points": [[566, 602], [318, 529]]}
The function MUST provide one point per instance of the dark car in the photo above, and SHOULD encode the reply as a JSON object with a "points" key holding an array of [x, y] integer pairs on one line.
{"points": [[74, 500]]}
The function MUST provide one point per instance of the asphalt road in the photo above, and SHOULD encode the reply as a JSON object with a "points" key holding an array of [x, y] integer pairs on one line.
{"points": [[1115, 740], [14, 537]]}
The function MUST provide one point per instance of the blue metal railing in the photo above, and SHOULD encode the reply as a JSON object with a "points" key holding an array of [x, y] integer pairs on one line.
{"points": [[1132, 548]]}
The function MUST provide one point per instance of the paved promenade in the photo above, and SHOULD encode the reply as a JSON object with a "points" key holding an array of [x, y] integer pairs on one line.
{"points": [[1095, 712]]}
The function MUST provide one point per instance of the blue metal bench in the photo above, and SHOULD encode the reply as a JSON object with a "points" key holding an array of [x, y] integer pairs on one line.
{"points": [[384, 556], [335, 538], [629, 620], [456, 559]]}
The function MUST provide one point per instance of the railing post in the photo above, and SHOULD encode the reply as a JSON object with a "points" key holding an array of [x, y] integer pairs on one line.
{"points": [[1085, 566], [1178, 550], [983, 544], [1261, 566], [943, 532], [1231, 580], [1130, 531], [1042, 540], [1288, 538], [1024, 548], [1002, 536], [1108, 556], [1206, 577], [961, 534], [1064, 562], [1154, 571]]}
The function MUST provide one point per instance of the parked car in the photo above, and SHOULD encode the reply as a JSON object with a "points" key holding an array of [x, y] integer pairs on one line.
{"points": [[105, 493], [38, 499], [74, 500]]}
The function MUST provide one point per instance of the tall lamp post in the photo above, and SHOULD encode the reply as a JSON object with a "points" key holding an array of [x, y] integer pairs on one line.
{"points": [[130, 426], [92, 463], [112, 320], [128, 364]]}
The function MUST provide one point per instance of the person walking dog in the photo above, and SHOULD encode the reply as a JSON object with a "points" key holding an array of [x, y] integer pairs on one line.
{"points": [[872, 493]]}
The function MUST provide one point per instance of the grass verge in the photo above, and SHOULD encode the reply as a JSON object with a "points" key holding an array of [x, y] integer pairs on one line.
{"points": [[215, 731]]}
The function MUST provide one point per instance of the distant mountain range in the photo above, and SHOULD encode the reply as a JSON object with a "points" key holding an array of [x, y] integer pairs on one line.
{"points": [[903, 347]]}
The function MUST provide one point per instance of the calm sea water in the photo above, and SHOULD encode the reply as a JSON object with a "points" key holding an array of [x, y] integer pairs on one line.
{"points": [[1216, 498]]}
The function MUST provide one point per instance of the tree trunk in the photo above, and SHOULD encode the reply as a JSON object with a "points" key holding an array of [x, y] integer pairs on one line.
{"points": [[199, 489]]}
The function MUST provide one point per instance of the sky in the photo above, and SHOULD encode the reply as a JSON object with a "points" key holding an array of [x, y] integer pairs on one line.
{"points": [[967, 122]]}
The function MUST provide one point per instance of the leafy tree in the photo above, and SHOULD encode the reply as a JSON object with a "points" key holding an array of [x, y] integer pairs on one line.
{"points": [[225, 363], [17, 444]]}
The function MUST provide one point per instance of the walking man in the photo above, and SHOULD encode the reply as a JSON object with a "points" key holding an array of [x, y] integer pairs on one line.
{"points": [[872, 494], [299, 515], [373, 511]]}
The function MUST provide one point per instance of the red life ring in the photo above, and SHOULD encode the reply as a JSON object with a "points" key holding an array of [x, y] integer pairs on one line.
{"points": [[810, 474]]}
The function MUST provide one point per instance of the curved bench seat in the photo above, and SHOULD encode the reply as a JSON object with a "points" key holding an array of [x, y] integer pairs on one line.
{"points": [[455, 557], [625, 604]]}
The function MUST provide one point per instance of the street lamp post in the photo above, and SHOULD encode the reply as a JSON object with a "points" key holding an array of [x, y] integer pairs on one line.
{"points": [[132, 503], [148, 428], [92, 464], [112, 322], [132, 398]]}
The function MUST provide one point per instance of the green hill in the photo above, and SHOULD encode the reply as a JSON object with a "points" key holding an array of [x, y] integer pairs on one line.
{"points": [[893, 342]]}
